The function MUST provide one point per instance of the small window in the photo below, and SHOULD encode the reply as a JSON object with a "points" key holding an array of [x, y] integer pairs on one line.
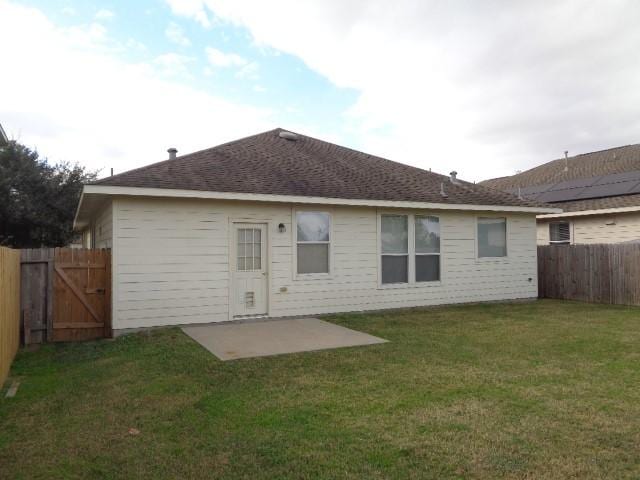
{"points": [[492, 237], [249, 249], [313, 242], [395, 248], [559, 233], [427, 245]]}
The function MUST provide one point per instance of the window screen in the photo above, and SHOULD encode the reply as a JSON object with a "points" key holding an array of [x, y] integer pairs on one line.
{"points": [[427, 246], [492, 237], [395, 248], [559, 232], [313, 233]]}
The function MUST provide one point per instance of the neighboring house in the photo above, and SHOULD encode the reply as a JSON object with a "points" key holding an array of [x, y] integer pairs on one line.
{"points": [[280, 224], [599, 194]]}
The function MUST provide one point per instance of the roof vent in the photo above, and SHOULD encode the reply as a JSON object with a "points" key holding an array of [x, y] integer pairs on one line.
{"points": [[172, 153], [288, 135], [442, 192], [453, 177]]}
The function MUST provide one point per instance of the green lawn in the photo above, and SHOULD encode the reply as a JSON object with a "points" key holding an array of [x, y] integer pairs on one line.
{"points": [[538, 390]]}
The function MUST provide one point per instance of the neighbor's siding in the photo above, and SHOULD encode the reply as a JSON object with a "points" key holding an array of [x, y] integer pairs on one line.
{"points": [[171, 263], [622, 227]]}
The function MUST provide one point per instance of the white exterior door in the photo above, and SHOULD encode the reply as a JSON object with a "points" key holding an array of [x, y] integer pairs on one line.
{"points": [[249, 269]]}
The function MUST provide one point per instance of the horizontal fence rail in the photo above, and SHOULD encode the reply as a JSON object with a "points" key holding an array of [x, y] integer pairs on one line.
{"points": [[603, 273], [9, 308]]}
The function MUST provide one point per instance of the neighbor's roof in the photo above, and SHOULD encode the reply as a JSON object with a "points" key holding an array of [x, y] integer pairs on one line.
{"points": [[585, 165], [268, 164], [621, 201]]}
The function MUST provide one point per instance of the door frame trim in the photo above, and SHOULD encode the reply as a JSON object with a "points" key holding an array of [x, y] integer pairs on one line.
{"points": [[267, 247]]}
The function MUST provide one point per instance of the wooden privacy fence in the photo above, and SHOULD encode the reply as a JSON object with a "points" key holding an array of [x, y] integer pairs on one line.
{"points": [[66, 294], [603, 273], [9, 308]]}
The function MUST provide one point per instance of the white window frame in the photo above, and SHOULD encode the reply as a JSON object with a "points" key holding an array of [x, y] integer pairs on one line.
{"points": [[507, 236], [560, 242], [411, 253], [294, 237]]}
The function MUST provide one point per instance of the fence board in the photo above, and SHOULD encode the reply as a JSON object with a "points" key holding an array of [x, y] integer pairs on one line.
{"points": [[606, 273], [9, 308]]}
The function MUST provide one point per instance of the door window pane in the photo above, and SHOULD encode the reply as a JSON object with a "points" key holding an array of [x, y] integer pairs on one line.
{"points": [[492, 237], [427, 235], [427, 268], [394, 234], [395, 269], [313, 258], [313, 226], [249, 249]]}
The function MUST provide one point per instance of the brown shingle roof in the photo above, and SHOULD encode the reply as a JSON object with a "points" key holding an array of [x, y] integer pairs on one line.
{"points": [[600, 203], [268, 164], [586, 165]]}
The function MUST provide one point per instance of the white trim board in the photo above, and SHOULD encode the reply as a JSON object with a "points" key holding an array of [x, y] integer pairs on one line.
{"points": [[175, 193], [582, 213]]}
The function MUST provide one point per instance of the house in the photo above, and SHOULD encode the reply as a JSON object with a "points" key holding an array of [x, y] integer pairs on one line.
{"points": [[599, 194], [281, 224]]}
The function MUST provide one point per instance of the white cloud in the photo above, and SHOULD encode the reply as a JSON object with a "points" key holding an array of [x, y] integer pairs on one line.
{"points": [[191, 8], [485, 88], [99, 110], [259, 89], [104, 14], [174, 64], [249, 71], [218, 58], [176, 35]]}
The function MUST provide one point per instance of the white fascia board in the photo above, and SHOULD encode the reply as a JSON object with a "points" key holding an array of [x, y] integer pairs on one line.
{"points": [[75, 217], [582, 213], [255, 197]]}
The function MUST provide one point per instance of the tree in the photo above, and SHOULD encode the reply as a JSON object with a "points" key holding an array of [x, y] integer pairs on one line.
{"points": [[37, 200]]}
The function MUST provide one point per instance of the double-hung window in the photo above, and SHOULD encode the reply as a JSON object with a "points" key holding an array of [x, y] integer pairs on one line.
{"points": [[395, 248], [427, 245], [492, 237], [313, 242], [409, 249]]}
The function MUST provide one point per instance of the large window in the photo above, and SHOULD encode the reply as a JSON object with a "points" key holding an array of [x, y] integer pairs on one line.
{"points": [[313, 234], [405, 261], [395, 249], [427, 245], [492, 237], [559, 233]]}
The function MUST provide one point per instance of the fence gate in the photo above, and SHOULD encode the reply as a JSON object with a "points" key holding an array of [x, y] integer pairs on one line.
{"points": [[66, 294]]}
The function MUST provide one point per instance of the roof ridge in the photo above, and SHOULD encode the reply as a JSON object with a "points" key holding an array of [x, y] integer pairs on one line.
{"points": [[182, 157]]}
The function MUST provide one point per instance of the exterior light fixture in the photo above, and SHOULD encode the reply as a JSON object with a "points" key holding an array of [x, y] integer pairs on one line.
{"points": [[282, 228]]}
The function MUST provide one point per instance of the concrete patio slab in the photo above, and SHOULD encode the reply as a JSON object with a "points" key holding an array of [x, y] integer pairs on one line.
{"points": [[275, 337]]}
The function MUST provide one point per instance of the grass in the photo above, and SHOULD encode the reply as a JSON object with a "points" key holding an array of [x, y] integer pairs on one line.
{"points": [[532, 390]]}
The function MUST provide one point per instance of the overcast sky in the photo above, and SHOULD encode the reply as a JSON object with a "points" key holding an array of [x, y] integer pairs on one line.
{"points": [[485, 88]]}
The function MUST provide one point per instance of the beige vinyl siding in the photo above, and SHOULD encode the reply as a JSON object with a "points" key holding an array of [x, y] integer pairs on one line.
{"points": [[103, 228], [615, 228], [171, 263], [99, 233]]}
